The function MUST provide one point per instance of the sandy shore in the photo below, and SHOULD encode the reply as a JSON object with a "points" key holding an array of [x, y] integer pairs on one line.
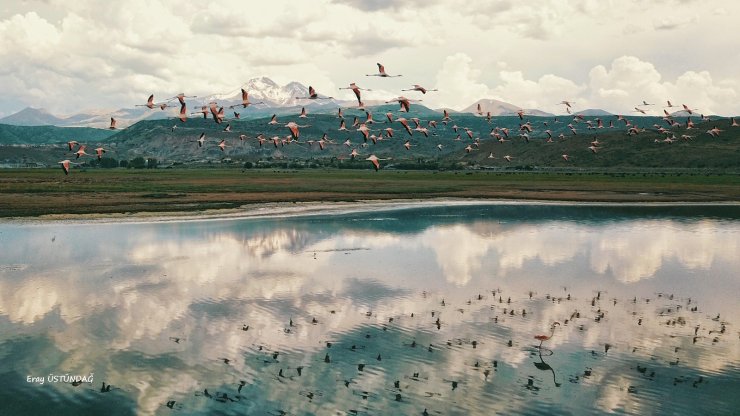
{"points": [[317, 208]]}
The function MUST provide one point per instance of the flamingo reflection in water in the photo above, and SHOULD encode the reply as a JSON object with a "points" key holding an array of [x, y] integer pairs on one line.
{"points": [[542, 365]]}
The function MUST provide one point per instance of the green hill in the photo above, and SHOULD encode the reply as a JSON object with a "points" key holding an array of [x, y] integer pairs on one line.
{"points": [[616, 149], [37, 135]]}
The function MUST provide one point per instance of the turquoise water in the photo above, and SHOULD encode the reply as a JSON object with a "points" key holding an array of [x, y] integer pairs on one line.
{"points": [[386, 312]]}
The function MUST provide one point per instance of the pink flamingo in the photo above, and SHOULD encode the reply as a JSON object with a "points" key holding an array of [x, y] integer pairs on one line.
{"points": [[382, 73], [357, 92], [312, 95], [66, 164], [543, 338], [419, 88], [375, 161]]}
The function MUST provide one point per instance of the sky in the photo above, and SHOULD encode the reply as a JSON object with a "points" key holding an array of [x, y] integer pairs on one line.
{"points": [[71, 56]]}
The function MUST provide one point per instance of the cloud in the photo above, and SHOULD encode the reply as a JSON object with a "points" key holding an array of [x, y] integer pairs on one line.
{"points": [[544, 93], [372, 42], [379, 5], [71, 57], [630, 80], [618, 88], [458, 82], [670, 23]]}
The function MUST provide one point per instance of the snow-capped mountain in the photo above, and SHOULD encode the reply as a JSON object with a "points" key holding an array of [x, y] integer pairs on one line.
{"points": [[273, 95]]}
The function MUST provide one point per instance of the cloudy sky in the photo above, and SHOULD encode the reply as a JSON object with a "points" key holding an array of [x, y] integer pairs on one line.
{"points": [[71, 56]]}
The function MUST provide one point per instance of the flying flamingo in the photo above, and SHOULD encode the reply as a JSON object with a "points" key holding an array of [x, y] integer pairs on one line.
{"points": [[273, 120], [202, 139], [340, 113], [71, 144], [222, 144], [149, 103], [342, 126], [181, 97], [374, 159], [407, 144], [227, 129], [404, 102], [203, 110], [508, 158], [640, 110], [419, 88], [99, 151], [312, 95], [81, 152], [446, 115], [423, 130], [245, 100], [183, 113], [714, 132], [303, 113], [112, 123], [382, 73], [733, 122], [364, 130], [293, 127], [688, 110], [216, 112], [354, 154], [65, 165], [480, 110], [566, 158], [543, 338], [567, 103], [405, 125], [357, 92]]}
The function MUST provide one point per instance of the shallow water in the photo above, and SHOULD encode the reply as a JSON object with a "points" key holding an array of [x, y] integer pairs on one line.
{"points": [[383, 312]]}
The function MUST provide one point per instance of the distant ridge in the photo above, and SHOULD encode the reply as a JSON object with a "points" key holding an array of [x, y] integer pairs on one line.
{"points": [[501, 108], [593, 112], [30, 116]]}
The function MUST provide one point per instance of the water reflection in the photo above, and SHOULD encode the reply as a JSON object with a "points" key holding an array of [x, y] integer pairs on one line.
{"points": [[426, 308]]}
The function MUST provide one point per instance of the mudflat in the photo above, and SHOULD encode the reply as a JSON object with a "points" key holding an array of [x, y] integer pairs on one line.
{"points": [[114, 192]]}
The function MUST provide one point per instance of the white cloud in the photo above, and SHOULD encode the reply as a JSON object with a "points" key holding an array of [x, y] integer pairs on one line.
{"points": [[618, 88], [458, 82], [69, 57]]}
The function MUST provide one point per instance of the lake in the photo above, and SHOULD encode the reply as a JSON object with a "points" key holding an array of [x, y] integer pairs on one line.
{"points": [[404, 310]]}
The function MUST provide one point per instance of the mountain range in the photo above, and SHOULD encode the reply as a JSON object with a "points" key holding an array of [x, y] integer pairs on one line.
{"points": [[275, 98]]}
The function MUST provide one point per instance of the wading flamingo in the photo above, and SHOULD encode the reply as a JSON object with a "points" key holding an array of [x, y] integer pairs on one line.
{"points": [[543, 338]]}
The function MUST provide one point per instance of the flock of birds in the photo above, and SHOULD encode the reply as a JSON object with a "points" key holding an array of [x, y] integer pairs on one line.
{"points": [[684, 325], [410, 125]]}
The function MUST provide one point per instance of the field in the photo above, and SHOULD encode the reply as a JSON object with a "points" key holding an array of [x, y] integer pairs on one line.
{"points": [[37, 192]]}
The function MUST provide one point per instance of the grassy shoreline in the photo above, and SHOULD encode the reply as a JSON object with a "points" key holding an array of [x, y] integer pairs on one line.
{"points": [[122, 192]]}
